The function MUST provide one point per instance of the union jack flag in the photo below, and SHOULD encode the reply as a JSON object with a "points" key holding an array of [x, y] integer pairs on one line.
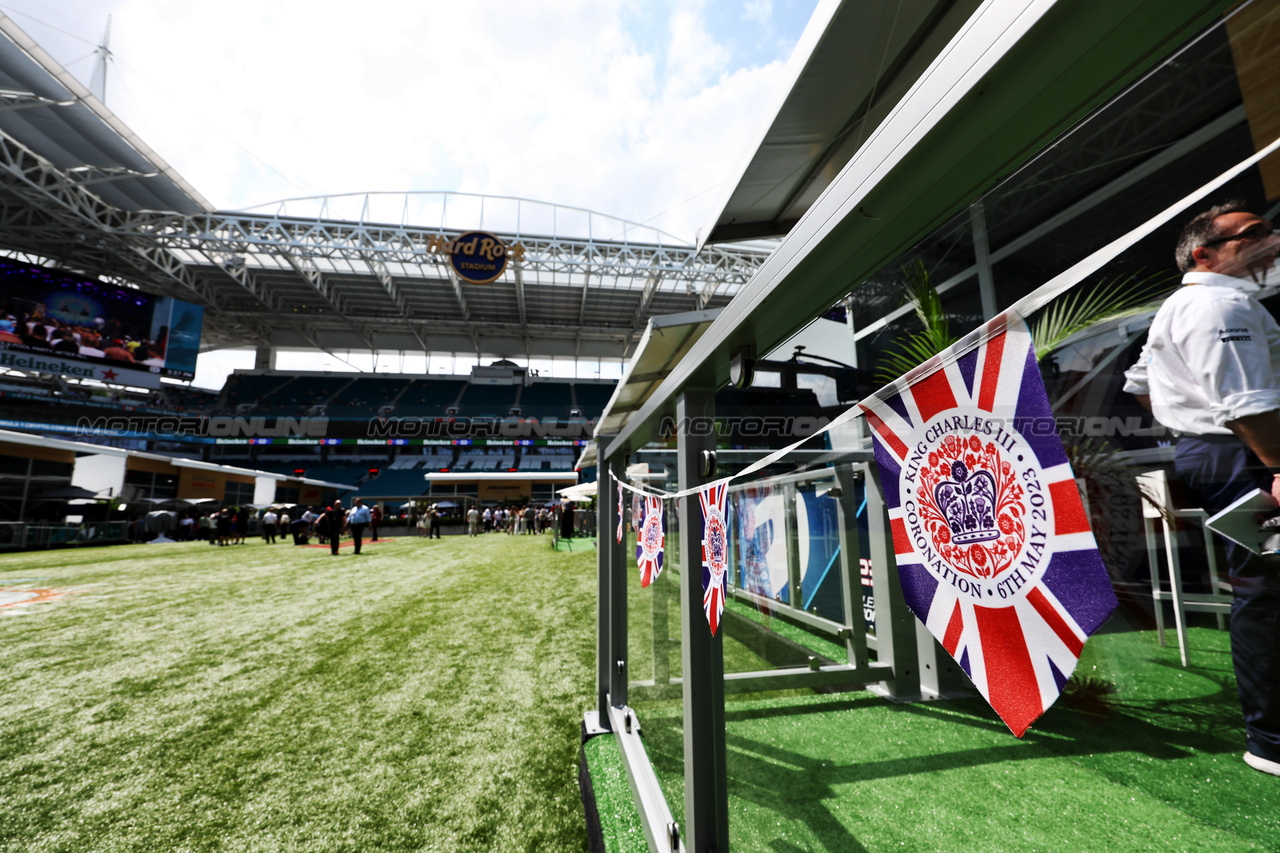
{"points": [[650, 540], [637, 511], [715, 551], [620, 510], [993, 547]]}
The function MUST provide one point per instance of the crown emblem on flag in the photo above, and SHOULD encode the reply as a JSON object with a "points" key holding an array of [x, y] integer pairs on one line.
{"points": [[715, 551], [992, 544], [649, 541], [967, 502]]}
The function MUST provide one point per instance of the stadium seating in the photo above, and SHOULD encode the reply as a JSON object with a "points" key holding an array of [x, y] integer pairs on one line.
{"points": [[488, 401], [249, 389], [429, 398], [365, 397], [543, 400], [301, 394], [591, 399], [393, 483]]}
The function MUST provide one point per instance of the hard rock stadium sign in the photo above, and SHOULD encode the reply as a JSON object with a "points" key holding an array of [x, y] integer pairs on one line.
{"points": [[477, 257]]}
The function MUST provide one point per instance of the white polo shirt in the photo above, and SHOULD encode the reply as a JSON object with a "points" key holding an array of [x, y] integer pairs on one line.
{"points": [[1212, 356]]}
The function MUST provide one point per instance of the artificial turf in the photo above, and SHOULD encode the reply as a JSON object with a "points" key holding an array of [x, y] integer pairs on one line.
{"points": [[620, 828], [1143, 755], [425, 695]]}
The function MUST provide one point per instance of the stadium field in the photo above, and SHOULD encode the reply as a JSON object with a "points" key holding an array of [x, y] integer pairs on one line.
{"points": [[425, 695]]}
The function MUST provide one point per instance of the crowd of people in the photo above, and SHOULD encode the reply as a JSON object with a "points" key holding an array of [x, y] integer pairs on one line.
{"points": [[235, 525], [329, 524], [518, 520], [93, 337]]}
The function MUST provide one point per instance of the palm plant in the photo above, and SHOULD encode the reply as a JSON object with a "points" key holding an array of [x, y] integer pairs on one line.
{"points": [[1064, 318], [935, 334], [1097, 464], [1082, 309]]}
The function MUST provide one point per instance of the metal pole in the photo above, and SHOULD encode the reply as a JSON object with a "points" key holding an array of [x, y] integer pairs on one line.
{"points": [[26, 486], [604, 601], [855, 638], [706, 798], [606, 535], [982, 260], [795, 594], [895, 626]]}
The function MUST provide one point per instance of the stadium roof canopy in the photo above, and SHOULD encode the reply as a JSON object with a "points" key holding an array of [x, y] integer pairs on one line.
{"points": [[80, 190], [962, 104], [854, 62]]}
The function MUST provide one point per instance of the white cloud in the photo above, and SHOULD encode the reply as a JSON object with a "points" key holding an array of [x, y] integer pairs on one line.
{"points": [[759, 11], [253, 101]]}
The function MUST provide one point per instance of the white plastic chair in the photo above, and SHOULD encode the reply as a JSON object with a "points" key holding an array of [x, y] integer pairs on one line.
{"points": [[1158, 509]]}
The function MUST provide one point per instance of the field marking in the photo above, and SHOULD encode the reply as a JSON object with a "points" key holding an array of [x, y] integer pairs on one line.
{"points": [[15, 600]]}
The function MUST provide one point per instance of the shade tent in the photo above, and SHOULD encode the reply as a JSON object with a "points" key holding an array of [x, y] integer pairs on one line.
{"points": [[66, 493], [581, 493]]}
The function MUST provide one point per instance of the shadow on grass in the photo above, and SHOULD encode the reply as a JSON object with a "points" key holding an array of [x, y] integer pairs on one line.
{"points": [[1088, 725]]}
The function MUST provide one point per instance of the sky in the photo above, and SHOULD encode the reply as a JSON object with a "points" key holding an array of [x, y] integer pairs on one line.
{"points": [[639, 109]]}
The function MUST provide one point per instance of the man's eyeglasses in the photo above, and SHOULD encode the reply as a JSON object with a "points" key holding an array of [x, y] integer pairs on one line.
{"points": [[1258, 231]]}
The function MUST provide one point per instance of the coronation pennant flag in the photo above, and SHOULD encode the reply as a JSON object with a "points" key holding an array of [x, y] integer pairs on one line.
{"points": [[650, 541], [993, 548], [637, 511], [715, 551], [620, 511]]}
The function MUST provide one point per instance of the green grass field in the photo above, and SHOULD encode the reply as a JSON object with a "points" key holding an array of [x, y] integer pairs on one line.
{"points": [[426, 695], [1142, 755], [1151, 763]]}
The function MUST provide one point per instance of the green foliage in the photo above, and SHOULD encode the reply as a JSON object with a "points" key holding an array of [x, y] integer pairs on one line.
{"points": [[935, 334], [1074, 312], [1081, 308]]}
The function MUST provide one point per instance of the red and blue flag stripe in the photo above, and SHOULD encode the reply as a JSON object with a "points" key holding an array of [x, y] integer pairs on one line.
{"points": [[991, 539]]}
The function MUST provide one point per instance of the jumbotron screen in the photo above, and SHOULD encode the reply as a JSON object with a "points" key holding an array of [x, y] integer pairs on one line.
{"points": [[55, 313]]}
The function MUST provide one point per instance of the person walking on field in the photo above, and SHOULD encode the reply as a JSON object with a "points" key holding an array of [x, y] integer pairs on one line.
{"points": [[330, 523], [375, 521], [473, 521], [240, 524], [269, 519], [356, 520]]}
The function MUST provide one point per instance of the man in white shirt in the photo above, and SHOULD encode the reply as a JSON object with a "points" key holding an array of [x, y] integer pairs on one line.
{"points": [[269, 519], [356, 520], [1210, 371]]}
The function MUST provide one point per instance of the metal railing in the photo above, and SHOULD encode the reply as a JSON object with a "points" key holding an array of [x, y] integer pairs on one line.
{"points": [[894, 658], [25, 535]]}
